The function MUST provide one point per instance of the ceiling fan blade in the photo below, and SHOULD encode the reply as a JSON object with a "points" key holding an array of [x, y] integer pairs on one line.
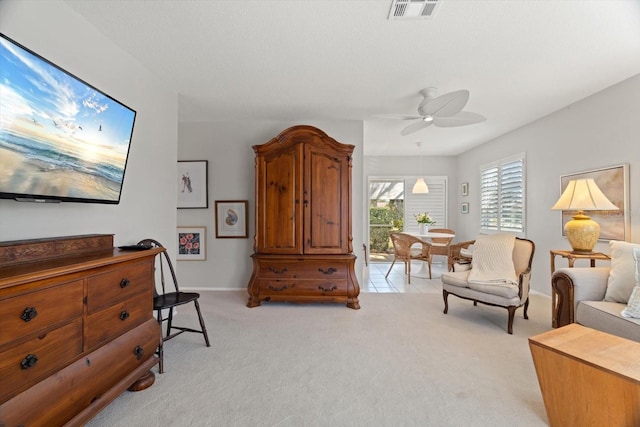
{"points": [[398, 116], [463, 118], [414, 127], [445, 105]]}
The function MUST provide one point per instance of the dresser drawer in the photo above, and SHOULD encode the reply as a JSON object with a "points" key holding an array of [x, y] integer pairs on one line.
{"points": [[303, 287], [118, 284], [36, 311], [27, 363], [326, 270], [107, 324], [87, 382]]}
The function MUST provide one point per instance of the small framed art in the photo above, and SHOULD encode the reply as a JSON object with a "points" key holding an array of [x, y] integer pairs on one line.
{"points": [[192, 184], [192, 243], [231, 219], [464, 208], [464, 189]]}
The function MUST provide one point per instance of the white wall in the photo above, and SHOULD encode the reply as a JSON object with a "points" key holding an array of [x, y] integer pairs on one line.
{"points": [[227, 147], [147, 206]]}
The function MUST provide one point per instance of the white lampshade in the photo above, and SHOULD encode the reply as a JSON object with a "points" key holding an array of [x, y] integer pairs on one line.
{"points": [[583, 195], [420, 186]]}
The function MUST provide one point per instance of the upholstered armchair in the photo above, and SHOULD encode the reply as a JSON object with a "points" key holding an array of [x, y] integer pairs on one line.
{"points": [[501, 279]]}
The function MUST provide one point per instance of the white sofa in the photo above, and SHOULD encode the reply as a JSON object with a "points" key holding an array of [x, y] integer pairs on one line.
{"points": [[595, 297]]}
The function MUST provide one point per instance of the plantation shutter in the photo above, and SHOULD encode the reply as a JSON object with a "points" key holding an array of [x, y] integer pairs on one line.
{"points": [[434, 202], [502, 195]]}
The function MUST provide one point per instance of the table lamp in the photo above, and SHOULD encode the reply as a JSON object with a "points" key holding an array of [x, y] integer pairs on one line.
{"points": [[583, 195]]}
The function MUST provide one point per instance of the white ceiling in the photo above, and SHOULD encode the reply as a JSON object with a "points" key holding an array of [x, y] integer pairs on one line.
{"points": [[300, 60]]}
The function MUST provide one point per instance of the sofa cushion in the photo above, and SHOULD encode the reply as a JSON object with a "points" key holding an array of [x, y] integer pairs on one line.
{"points": [[622, 274], [605, 316], [633, 306]]}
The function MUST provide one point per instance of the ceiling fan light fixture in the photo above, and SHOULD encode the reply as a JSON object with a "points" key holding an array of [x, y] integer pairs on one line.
{"points": [[428, 118]]}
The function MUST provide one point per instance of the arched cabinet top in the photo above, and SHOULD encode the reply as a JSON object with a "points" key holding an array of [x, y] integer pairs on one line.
{"points": [[302, 134]]}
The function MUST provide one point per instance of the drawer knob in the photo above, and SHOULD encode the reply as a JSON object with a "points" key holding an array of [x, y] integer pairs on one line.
{"points": [[124, 315], [29, 361], [29, 314], [329, 270], [276, 271], [278, 288], [124, 283], [138, 352], [331, 289]]}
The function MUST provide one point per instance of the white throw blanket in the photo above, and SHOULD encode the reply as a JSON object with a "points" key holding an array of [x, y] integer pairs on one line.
{"points": [[492, 262]]}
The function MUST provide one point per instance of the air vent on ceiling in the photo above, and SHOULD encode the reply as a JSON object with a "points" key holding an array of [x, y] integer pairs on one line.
{"points": [[412, 9]]}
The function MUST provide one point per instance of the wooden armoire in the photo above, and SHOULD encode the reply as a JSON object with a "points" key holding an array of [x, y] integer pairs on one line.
{"points": [[303, 243]]}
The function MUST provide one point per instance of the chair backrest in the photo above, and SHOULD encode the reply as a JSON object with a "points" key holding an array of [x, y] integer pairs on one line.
{"points": [[442, 240], [402, 243], [162, 260], [523, 255]]}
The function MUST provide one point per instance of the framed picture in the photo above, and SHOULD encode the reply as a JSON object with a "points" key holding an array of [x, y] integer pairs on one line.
{"points": [[464, 208], [231, 219], [192, 243], [464, 189], [614, 183], [192, 184]]}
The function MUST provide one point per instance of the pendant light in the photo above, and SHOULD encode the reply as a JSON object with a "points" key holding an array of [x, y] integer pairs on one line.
{"points": [[420, 186]]}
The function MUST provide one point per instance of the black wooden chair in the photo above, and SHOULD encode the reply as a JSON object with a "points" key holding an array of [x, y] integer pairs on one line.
{"points": [[170, 298]]}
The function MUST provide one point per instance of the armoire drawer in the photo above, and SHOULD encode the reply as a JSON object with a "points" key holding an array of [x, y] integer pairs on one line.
{"points": [[303, 287], [107, 324], [34, 312], [118, 284], [326, 270], [25, 364]]}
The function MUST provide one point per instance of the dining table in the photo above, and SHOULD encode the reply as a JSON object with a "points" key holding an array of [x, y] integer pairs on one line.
{"points": [[423, 272]]}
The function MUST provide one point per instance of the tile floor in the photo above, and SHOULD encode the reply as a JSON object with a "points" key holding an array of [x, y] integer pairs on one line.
{"points": [[397, 281]]}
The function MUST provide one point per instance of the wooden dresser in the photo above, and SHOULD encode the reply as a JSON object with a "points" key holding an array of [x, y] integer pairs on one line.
{"points": [[77, 328], [303, 242]]}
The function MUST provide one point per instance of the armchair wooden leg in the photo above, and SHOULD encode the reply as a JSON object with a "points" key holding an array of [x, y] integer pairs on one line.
{"points": [[512, 312], [526, 307], [445, 295]]}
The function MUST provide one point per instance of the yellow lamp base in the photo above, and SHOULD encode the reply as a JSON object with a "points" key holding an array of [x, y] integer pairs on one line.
{"points": [[582, 233]]}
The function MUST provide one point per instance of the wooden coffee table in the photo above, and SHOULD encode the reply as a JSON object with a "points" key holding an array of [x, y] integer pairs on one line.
{"points": [[587, 377]]}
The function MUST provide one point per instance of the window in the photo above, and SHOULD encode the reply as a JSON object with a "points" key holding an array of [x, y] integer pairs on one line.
{"points": [[502, 195]]}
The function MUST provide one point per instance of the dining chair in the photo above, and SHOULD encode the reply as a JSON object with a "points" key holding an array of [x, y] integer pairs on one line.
{"points": [[170, 298], [440, 245], [404, 251]]}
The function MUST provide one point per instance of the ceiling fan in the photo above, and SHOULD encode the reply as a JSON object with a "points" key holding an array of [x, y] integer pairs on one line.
{"points": [[443, 111]]}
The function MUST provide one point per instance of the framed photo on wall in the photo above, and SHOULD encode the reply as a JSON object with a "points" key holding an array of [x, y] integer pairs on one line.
{"points": [[464, 189], [192, 243], [614, 183], [231, 219], [464, 208], [192, 184]]}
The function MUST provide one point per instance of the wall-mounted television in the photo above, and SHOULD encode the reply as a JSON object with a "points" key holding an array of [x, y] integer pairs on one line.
{"points": [[61, 139]]}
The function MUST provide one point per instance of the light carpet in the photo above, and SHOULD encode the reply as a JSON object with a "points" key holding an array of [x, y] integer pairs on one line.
{"points": [[398, 361]]}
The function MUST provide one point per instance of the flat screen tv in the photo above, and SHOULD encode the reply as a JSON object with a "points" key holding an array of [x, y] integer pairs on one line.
{"points": [[61, 139]]}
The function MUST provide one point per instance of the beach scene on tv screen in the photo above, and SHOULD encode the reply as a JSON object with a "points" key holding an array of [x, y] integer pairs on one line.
{"points": [[59, 137]]}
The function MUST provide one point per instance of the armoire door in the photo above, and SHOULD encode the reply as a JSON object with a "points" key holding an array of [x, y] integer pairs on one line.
{"points": [[326, 200], [278, 201]]}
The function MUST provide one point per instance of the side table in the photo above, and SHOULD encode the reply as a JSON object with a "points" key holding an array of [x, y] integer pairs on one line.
{"points": [[571, 258], [587, 377]]}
